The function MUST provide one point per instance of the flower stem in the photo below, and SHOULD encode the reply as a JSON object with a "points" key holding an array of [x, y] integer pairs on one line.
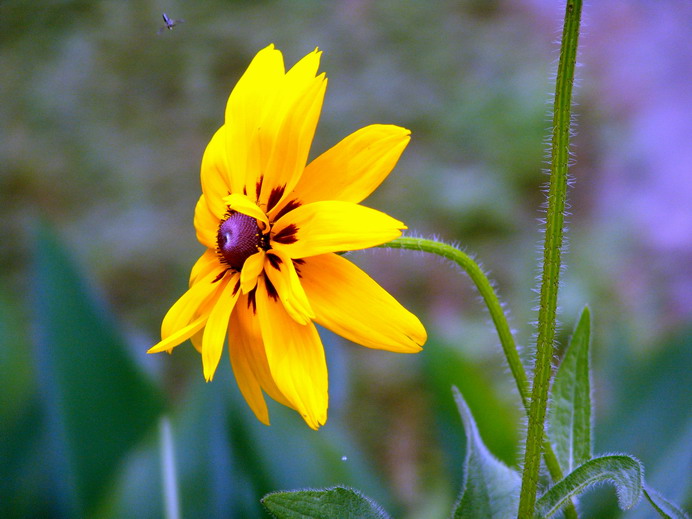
{"points": [[551, 257], [504, 332], [171, 501], [488, 294]]}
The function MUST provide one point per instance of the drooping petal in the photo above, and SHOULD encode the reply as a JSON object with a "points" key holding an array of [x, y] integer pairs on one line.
{"points": [[332, 226], [196, 340], [353, 169], [251, 270], [242, 204], [207, 262], [242, 361], [205, 309], [179, 336], [187, 306], [215, 174], [245, 112], [206, 224], [217, 325], [296, 358], [350, 303], [249, 361], [282, 274]]}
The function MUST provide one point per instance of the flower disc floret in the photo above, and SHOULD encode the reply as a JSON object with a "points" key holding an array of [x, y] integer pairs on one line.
{"points": [[238, 238]]}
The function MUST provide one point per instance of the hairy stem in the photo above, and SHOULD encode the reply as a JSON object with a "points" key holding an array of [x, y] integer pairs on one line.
{"points": [[488, 294], [497, 314], [551, 257]]}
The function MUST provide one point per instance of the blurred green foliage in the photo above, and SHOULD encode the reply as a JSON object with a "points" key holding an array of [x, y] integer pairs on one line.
{"points": [[97, 404], [103, 126]]}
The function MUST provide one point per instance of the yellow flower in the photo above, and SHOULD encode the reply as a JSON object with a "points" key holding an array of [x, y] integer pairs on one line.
{"points": [[273, 227]]}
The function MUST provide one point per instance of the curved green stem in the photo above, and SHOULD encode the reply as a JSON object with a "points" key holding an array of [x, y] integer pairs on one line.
{"points": [[504, 332], [488, 294], [551, 257]]}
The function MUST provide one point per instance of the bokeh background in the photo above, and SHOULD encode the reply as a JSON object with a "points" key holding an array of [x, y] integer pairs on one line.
{"points": [[103, 123]]}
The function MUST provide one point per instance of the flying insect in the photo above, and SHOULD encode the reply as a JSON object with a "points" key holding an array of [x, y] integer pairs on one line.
{"points": [[170, 23]]}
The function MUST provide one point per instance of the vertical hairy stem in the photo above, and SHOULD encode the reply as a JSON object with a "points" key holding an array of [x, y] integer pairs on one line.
{"points": [[551, 257]]}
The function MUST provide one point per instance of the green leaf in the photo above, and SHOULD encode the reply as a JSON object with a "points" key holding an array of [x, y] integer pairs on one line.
{"points": [[322, 504], [569, 418], [624, 471], [639, 385], [664, 507], [491, 488], [98, 403]]}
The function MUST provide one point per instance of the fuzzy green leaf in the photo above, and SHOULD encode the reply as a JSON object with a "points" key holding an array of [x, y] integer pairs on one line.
{"points": [[322, 504], [491, 488], [664, 507], [625, 472], [98, 403], [569, 418]]}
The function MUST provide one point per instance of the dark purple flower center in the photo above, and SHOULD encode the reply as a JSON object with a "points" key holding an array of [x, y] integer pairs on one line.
{"points": [[238, 238]]}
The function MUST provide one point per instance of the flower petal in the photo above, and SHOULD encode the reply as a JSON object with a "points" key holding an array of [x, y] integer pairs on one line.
{"points": [[296, 358], [282, 274], [205, 309], [251, 270], [290, 146], [250, 326], [350, 303], [186, 307], [249, 361], [245, 112], [217, 325], [196, 340], [207, 262], [179, 336], [332, 226], [240, 349], [242, 204], [206, 224], [353, 169], [215, 174]]}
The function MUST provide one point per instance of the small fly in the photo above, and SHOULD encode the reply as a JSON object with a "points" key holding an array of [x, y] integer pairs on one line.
{"points": [[170, 23]]}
